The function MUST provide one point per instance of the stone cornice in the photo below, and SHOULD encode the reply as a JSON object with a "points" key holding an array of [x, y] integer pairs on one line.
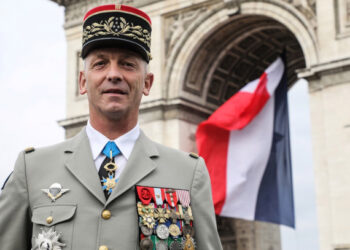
{"points": [[160, 109], [75, 9]]}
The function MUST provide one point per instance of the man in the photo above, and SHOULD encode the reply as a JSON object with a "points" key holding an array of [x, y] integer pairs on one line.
{"points": [[109, 187]]}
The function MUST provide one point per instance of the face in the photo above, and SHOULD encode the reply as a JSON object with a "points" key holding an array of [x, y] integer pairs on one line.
{"points": [[114, 81]]}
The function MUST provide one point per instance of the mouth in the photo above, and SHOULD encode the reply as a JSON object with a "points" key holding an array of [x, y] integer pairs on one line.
{"points": [[114, 91]]}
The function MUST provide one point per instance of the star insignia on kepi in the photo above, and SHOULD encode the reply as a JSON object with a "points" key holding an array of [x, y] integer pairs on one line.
{"points": [[55, 191], [109, 183]]}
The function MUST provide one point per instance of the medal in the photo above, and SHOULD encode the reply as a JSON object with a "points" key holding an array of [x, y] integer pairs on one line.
{"points": [[146, 244], [175, 245], [109, 183], [174, 216], [48, 240], [162, 232], [188, 243], [161, 214], [161, 245], [187, 217], [188, 229], [146, 230], [55, 191], [174, 230], [148, 221]]}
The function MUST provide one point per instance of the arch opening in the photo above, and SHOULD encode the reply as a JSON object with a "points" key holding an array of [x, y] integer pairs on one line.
{"points": [[236, 53]]}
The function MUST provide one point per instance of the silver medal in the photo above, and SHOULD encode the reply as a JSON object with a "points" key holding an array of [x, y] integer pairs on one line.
{"points": [[161, 245], [146, 230], [162, 231], [176, 245]]}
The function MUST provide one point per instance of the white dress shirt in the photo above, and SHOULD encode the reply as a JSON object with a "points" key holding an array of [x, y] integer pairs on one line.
{"points": [[125, 143]]}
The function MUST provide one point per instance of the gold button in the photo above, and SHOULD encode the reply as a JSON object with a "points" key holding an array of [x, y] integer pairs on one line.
{"points": [[103, 248], [106, 214], [49, 220]]}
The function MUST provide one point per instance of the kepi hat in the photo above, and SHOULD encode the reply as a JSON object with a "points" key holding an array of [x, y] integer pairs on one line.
{"points": [[117, 26]]}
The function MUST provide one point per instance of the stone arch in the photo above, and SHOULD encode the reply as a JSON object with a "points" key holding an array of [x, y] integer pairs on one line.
{"points": [[198, 54]]}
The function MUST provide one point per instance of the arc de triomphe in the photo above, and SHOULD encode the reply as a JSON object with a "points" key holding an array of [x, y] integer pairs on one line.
{"points": [[205, 50]]}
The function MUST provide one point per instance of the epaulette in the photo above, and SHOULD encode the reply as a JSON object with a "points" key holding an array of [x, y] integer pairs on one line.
{"points": [[29, 150], [194, 155]]}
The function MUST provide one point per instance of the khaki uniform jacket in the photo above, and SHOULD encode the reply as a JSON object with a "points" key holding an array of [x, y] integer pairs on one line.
{"points": [[24, 207]]}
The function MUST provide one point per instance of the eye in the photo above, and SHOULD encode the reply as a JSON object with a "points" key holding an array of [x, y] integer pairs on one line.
{"points": [[128, 65], [99, 64]]}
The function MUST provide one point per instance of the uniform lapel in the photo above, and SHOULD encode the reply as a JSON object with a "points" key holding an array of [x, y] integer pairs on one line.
{"points": [[140, 164], [81, 165]]}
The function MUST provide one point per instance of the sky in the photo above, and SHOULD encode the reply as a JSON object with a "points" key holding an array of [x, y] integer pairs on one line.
{"points": [[33, 78]]}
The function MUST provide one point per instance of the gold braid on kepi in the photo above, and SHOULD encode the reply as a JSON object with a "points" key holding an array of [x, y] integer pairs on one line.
{"points": [[117, 26]]}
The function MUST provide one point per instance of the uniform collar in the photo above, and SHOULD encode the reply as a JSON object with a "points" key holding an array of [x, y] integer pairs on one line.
{"points": [[125, 142]]}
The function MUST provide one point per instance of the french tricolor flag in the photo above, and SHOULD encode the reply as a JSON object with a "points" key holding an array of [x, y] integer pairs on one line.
{"points": [[245, 144]]}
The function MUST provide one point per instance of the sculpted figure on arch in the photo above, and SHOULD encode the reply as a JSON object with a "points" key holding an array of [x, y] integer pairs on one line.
{"points": [[110, 187]]}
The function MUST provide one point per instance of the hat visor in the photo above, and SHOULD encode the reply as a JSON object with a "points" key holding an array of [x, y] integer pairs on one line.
{"points": [[114, 43]]}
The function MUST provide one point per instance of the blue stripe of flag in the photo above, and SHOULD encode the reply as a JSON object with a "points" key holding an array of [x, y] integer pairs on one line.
{"points": [[275, 197]]}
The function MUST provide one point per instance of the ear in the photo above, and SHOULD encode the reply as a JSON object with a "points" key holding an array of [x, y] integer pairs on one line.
{"points": [[82, 83], [148, 84]]}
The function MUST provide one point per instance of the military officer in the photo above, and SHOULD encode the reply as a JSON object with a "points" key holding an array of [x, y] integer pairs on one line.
{"points": [[110, 187]]}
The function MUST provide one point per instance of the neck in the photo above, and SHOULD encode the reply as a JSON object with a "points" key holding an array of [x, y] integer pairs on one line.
{"points": [[112, 129]]}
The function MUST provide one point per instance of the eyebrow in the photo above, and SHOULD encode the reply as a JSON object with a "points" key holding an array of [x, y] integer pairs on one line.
{"points": [[100, 55]]}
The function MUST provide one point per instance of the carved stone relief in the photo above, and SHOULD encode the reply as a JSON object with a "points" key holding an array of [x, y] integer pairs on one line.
{"points": [[307, 8], [177, 25], [342, 15]]}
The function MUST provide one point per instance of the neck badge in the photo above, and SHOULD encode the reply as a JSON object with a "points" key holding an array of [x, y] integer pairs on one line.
{"points": [[48, 240], [109, 183], [55, 191]]}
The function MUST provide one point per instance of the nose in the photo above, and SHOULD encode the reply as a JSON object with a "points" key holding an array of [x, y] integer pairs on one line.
{"points": [[114, 74]]}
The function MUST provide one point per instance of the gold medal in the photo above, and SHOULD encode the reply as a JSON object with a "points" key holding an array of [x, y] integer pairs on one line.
{"points": [[174, 230], [189, 243]]}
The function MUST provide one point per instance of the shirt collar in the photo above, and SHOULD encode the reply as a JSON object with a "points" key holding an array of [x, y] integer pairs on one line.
{"points": [[125, 142]]}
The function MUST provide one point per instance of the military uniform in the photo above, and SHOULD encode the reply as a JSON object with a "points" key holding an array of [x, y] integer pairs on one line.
{"points": [[54, 198], [82, 215]]}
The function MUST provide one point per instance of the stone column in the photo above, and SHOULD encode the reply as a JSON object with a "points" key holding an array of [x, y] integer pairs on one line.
{"points": [[330, 118]]}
